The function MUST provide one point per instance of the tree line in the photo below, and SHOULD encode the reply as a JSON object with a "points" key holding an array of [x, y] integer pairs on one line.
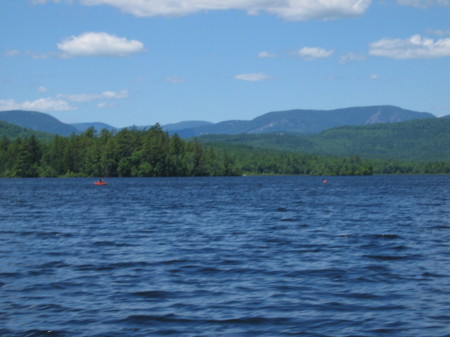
{"points": [[128, 153], [423, 140], [154, 153]]}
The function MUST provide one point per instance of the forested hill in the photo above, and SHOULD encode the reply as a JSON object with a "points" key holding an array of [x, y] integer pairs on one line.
{"points": [[12, 131], [418, 140], [37, 121]]}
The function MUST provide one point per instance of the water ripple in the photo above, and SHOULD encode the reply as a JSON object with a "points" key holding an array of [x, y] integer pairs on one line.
{"points": [[243, 256]]}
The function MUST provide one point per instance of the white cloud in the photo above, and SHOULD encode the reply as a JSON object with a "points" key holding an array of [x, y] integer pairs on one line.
{"points": [[80, 98], [115, 94], [12, 53], [424, 3], [42, 104], [413, 48], [63, 102], [312, 53], [41, 56], [439, 32], [41, 2], [92, 97], [352, 57], [41, 89], [99, 44], [89, 44], [319, 9], [374, 77], [174, 79], [287, 9], [265, 54], [252, 77], [103, 105]]}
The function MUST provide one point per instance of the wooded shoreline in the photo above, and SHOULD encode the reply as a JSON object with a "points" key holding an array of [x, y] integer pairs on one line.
{"points": [[154, 153]]}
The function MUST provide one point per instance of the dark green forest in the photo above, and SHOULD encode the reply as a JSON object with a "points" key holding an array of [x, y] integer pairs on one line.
{"points": [[417, 140], [12, 131], [153, 153]]}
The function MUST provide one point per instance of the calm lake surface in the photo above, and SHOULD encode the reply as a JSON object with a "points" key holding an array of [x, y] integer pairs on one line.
{"points": [[241, 256]]}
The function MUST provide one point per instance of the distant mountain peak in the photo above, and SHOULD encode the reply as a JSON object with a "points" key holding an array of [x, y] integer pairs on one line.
{"points": [[185, 125], [294, 121], [98, 126], [308, 121], [37, 121]]}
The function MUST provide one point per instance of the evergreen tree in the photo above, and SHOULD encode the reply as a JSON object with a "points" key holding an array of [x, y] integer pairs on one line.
{"points": [[28, 157]]}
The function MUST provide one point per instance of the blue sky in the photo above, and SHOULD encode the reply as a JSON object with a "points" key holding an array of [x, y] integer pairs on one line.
{"points": [[139, 62]]}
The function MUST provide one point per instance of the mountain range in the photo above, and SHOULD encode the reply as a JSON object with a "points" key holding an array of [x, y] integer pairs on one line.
{"points": [[306, 121], [295, 121], [382, 132]]}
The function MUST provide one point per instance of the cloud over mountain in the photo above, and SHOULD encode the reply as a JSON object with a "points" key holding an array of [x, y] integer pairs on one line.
{"points": [[63, 102], [41, 104]]}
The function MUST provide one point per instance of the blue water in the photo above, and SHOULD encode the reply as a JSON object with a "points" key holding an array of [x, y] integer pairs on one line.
{"points": [[242, 256]]}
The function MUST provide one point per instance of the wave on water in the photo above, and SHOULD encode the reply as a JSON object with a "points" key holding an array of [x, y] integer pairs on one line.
{"points": [[238, 256]]}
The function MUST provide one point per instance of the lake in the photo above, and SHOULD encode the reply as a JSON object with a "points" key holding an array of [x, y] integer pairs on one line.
{"points": [[236, 256]]}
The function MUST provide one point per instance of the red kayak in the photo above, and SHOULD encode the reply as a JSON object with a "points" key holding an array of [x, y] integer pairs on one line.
{"points": [[100, 183]]}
